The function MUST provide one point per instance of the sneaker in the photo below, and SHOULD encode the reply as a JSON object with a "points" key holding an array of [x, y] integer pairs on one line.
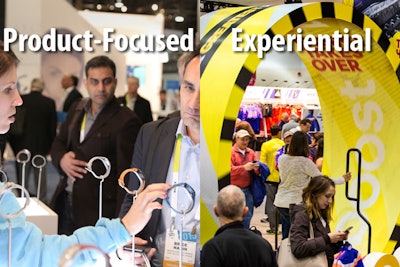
{"points": [[264, 220], [272, 232]]}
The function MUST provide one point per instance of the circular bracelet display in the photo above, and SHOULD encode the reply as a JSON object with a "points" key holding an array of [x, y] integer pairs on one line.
{"points": [[24, 152], [69, 255], [38, 161], [139, 174], [3, 175], [106, 163], [191, 193], [8, 187]]}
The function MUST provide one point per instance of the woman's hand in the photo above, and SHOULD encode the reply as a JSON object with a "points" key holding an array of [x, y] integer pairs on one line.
{"points": [[338, 236], [140, 212], [347, 176]]}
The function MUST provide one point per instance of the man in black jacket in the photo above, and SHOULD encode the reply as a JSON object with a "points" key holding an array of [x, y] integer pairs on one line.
{"points": [[38, 121], [233, 245], [135, 102], [69, 83], [97, 126]]}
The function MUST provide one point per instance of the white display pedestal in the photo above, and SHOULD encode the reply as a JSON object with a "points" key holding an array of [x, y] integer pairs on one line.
{"points": [[41, 215]]}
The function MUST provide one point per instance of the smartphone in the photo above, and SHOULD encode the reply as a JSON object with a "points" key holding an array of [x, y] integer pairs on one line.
{"points": [[348, 229], [138, 248]]}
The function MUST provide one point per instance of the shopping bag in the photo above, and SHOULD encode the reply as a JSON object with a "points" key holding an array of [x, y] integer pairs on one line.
{"points": [[348, 257]]}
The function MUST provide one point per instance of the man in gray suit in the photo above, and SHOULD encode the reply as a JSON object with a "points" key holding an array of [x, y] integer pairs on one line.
{"points": [[156, 155]]}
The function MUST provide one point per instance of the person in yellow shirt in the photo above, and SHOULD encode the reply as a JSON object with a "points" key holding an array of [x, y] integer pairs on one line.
{"points": [[267, 156]]}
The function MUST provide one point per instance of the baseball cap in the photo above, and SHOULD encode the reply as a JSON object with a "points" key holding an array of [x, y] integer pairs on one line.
{"points": [[289, 133], [242, 133]]}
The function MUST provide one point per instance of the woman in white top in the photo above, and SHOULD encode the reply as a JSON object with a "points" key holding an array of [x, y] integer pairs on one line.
{"points": [[296, 169]]}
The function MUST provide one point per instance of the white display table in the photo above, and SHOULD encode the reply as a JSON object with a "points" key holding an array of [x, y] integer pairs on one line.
{"points": [[41, 215]]}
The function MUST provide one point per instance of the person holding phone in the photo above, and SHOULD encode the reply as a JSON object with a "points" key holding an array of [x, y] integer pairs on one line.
{"points": [[317, 207], [243, 161]]}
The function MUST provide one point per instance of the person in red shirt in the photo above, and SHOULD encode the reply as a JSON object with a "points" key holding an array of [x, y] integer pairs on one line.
{"points": [[243, 161]]}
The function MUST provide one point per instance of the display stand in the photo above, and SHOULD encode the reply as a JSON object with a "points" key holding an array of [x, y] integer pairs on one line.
{"points": [[101, 177], [182, 207], [41, 215], [121, 181]]}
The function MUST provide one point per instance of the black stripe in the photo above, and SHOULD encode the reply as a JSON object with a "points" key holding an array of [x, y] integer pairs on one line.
{"points": [[398, 72], [270, 33], [207, 57], [219, 25], [383, 42], [395, 236], [297, 17], [243, 78], [224, 181], [358, 18], [328, 10], [227, 129]]}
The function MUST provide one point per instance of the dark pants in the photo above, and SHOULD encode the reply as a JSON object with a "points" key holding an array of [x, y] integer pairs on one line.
{"points": [[285, 220], [270, 209]]}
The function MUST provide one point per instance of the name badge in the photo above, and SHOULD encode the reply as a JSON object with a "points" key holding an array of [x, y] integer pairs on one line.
{"points": [[172, 245]]}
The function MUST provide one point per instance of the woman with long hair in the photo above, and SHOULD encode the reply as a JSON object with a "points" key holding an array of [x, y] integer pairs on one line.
{"points": [[317, 208]]}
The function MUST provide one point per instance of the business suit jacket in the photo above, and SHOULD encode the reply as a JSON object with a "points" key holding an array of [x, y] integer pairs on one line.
{"points": [[73, 96], [39, 124], [112, 135], [142, 108], [159, 162]]}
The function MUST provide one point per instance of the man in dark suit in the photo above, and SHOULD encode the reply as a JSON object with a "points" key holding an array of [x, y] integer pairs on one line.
{"points": [[38, 121], [135, 102], [155, 153], [97, 126], [69, 83]]}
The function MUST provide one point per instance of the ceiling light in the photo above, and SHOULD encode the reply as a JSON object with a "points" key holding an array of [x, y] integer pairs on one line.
{"points": [[154, 7], [119, 4], [179, 19], [99, 6], [124, 9]]}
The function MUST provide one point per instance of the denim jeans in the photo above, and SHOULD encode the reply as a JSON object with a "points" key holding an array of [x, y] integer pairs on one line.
{"points": [[285, 220], [250, 205]]}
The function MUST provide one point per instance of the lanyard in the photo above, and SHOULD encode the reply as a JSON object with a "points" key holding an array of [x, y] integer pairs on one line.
{"points": [[175, 179], [83, 126], [175, 173]]}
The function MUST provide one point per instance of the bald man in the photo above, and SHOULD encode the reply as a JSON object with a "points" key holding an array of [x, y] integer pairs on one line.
{"points": [[233, 245]]}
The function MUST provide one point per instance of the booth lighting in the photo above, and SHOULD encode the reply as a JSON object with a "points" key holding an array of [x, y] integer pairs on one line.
{"points": [[124, 9], [119, 4], [99, 6], [179, 19], [154, 7]]}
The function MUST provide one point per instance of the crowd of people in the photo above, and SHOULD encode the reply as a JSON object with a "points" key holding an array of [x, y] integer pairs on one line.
{"points": [[295, 185]]}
